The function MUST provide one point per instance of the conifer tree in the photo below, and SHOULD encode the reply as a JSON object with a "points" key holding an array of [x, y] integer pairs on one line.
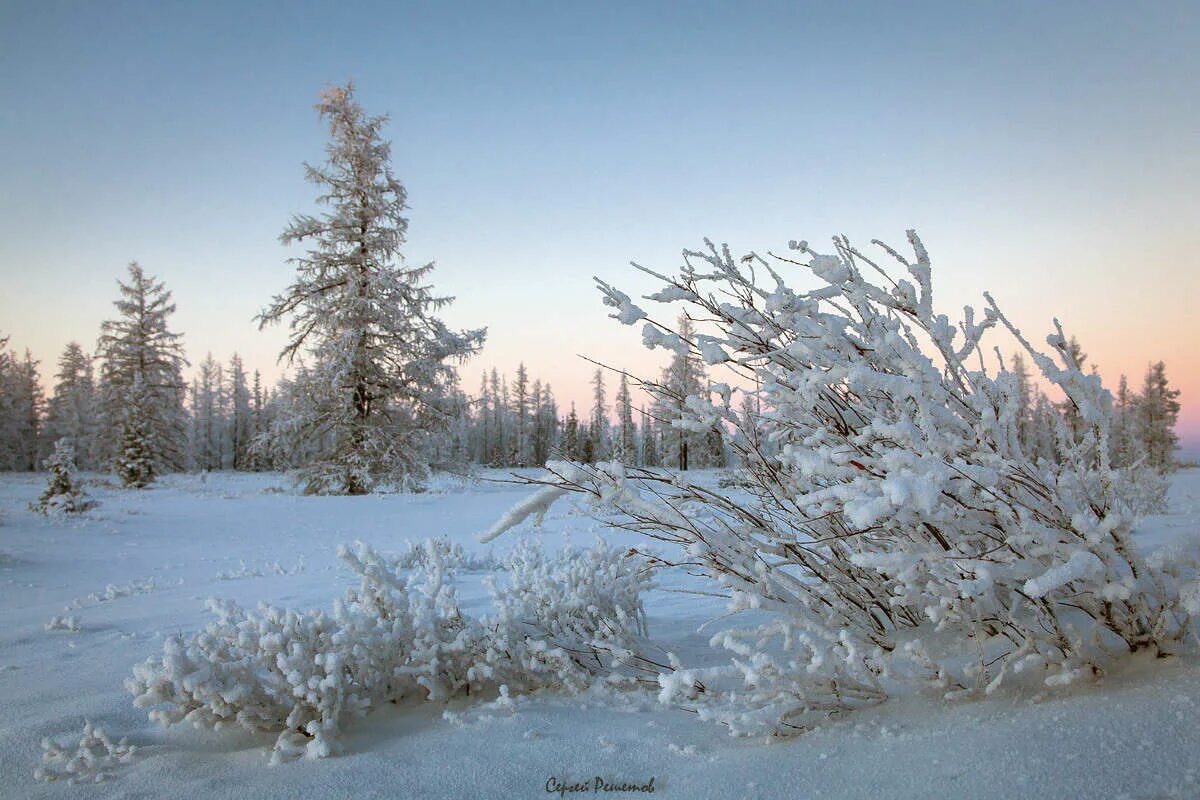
{"points": [[649, 442], [598, 425], [1024, 399], [207, 418], [1157, 413], [71, 411], [136, 463], [241, 422], [683, 377], [381, 358], [21, 407], [1124, 447], [258, 423], [625, 441], [1074, 354], [521, 399], [63, 493], [141, 374], [570, 445]]}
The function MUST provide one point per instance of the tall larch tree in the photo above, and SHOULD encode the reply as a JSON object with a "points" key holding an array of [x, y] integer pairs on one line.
{"points": [[1157, 413], [522, 445], [141, 382], [625, 437], [598, 425], [682, 378], [22, 404], [241, 414], [381, 358], [71, 411]]}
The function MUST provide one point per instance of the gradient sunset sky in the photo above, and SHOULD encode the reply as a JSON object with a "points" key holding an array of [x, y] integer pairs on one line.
{"points": [[1047, 152]]}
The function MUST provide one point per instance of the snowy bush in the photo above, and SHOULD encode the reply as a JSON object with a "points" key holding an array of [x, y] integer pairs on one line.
{"points": [[92, 761], [245, 570], [63, 493], [452, 554], [303, 675], [896, 528], [573, 616], [61, 623]]}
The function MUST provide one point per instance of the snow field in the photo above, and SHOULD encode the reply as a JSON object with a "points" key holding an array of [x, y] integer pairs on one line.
{"points": [[140, 566]]}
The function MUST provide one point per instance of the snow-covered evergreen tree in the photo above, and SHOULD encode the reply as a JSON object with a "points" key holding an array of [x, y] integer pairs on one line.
{"points": [[8, 415], [241, 414], [1024, 391], [522, 439], [141, 374], [71, 413], [548, 427], [208, 418], [21, 408], [571, 442], [136, 461], [381, 358], [650, 457], [1123, 443], [1157, 413], [684, 377], [599, 442], [1070, 411], [63, 493], [625, 437]]}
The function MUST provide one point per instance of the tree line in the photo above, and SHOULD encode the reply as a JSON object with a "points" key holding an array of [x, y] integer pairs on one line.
{"points": [[372, 396]]}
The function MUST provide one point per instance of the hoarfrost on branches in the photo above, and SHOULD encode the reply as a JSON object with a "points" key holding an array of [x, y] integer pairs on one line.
{"points": [[63, 494], [93, 760], [889, 495], [381, 370], [561, 622]]}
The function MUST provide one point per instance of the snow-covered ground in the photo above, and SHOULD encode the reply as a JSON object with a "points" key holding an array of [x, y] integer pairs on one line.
{"points": [[140, 567]]}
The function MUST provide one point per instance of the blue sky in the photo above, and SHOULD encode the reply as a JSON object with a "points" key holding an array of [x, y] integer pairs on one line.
{"points": [[1047, 152]]}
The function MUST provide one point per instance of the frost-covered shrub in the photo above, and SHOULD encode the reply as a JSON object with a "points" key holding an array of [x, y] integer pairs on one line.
{"points": [[896, 527], [63, 493], [452, 554], [245, 570], [565, 619], [303, 675], [63, 623], [92, 761]]}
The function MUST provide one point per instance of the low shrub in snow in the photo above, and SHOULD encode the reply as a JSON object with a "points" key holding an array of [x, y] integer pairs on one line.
{"points": [[245, 570], [895, 527], [452, 554], [565, 620], [93, 759], [303, 675], [63, 494], [61, 623]]}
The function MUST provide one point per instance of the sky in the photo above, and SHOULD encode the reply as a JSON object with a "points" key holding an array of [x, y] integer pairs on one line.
{"points": [[1046, 152]]}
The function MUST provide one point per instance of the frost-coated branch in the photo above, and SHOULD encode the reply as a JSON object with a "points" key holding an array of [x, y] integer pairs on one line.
{"points": [[888, 491]]}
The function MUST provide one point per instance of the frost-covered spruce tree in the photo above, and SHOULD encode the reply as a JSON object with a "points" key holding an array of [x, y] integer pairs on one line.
{"points": [[21, 406], [209, 420], [1156, 415], [241, 414], [380, 357], [71, 411], [598, 427], [684, 377], [141, 382], [896, 530], [135, 462], [63, 493]]}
